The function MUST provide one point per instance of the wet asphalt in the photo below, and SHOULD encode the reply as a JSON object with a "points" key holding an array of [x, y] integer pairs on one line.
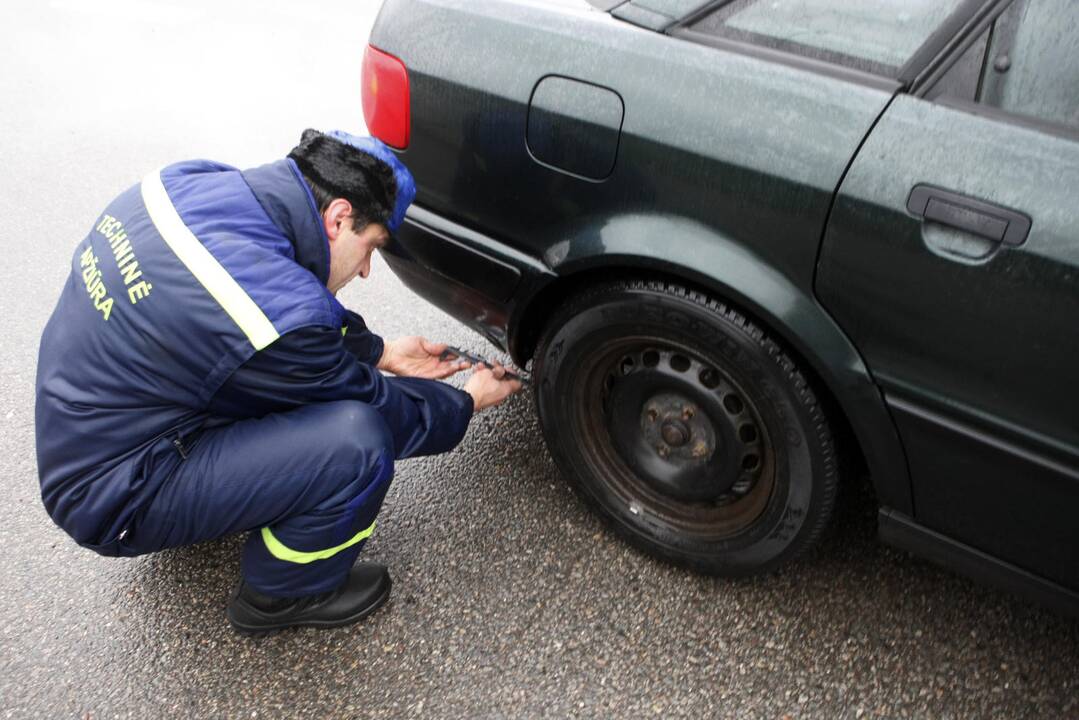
{"points": [[510, 598]]}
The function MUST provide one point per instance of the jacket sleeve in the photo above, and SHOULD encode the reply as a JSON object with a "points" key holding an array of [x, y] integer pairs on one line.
{"points": [[361, 342], [312, 365]]}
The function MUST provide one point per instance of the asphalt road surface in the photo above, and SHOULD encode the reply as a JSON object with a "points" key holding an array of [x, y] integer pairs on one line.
{"points": [[510, 598]]}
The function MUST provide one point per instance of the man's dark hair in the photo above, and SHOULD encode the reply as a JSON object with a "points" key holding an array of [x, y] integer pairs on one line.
{"points": [[334, 169]]}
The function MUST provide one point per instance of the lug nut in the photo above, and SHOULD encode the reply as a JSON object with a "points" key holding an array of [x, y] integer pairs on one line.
{"points": [[652, 414], [687, 413]]}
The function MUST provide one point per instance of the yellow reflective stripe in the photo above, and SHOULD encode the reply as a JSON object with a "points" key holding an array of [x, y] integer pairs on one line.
{"points": [[344, 331], [204, 266], [282, 552]]}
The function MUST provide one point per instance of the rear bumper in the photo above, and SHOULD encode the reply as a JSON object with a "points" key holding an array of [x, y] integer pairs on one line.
{"points": [[478, 280]]}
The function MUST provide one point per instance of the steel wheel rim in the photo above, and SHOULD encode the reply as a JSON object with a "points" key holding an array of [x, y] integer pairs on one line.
{"points": [[710, 493]]}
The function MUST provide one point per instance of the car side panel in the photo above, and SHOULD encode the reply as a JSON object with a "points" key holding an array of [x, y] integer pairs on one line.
{"points": [[751, 148]]}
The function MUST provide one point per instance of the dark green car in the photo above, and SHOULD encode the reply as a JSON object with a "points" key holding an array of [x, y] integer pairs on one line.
{"points": [[751, 245]]}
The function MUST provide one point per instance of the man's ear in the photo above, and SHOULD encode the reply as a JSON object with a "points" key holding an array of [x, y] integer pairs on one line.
{"points": [[334, 217]]}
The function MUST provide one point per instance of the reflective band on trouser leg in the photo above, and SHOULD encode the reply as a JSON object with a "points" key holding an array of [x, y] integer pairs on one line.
{"points": [[300, 555], [282, 552], [204, 266]]}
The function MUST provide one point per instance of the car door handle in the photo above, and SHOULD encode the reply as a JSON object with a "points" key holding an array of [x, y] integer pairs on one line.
{"points": [[984, 219]]}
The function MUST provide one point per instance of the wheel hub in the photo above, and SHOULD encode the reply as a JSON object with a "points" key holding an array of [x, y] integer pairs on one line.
{"points": [[674, 433], [677, 429]]}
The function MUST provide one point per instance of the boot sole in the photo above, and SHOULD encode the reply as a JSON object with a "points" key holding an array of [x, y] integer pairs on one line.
{"points": [[264, 630]]}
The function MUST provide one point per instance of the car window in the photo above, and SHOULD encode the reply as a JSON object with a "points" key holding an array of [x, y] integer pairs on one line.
{"points": [[962, 80], [1025, 63], [874, 35], [1033, 62]]}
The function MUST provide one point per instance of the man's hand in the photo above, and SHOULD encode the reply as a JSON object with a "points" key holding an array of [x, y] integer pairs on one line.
{"points": [[414, 356], [488, 386]]}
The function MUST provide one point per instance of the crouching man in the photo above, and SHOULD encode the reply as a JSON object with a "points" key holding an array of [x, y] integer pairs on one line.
{"points": [[199, 377]]}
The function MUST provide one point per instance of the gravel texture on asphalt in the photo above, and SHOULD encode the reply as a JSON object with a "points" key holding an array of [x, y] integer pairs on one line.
{"points": [[510, 598]]}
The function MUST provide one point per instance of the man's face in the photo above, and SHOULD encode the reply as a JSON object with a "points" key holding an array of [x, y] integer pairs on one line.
{"points": [[350, 251]]}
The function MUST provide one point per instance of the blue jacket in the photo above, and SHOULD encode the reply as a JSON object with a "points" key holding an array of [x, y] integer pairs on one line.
{"points": [[197, 299]]}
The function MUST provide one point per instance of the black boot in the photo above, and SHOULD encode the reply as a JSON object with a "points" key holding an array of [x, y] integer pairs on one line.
{"points": [[367, 587]]}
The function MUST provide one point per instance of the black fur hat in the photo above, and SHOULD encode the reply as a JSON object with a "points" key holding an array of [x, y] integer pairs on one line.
{"points": [[341, 170]]}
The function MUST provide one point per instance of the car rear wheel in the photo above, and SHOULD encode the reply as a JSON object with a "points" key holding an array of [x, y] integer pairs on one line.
{"points": [[686, 425]]}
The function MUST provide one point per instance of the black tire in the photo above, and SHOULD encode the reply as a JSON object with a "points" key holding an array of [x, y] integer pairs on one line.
{"points": [[728, 465]]}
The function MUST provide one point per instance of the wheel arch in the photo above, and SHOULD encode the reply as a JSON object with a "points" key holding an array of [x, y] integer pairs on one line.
{"points": [[728, 271]]}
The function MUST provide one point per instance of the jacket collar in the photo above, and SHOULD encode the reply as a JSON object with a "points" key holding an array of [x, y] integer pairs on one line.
{"points": [[281, 191]]}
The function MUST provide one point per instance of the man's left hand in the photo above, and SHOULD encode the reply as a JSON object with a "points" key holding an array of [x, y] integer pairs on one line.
{"points": [[414, 356]]}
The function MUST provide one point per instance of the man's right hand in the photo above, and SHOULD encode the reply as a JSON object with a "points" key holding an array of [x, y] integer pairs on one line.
{"points": [[488, 386]]}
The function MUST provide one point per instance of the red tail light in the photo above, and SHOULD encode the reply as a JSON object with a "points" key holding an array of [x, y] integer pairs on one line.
{"points": [[385, 98]]}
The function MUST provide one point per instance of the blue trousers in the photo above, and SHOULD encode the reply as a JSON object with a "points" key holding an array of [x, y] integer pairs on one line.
{"points": [[308, 483]]}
